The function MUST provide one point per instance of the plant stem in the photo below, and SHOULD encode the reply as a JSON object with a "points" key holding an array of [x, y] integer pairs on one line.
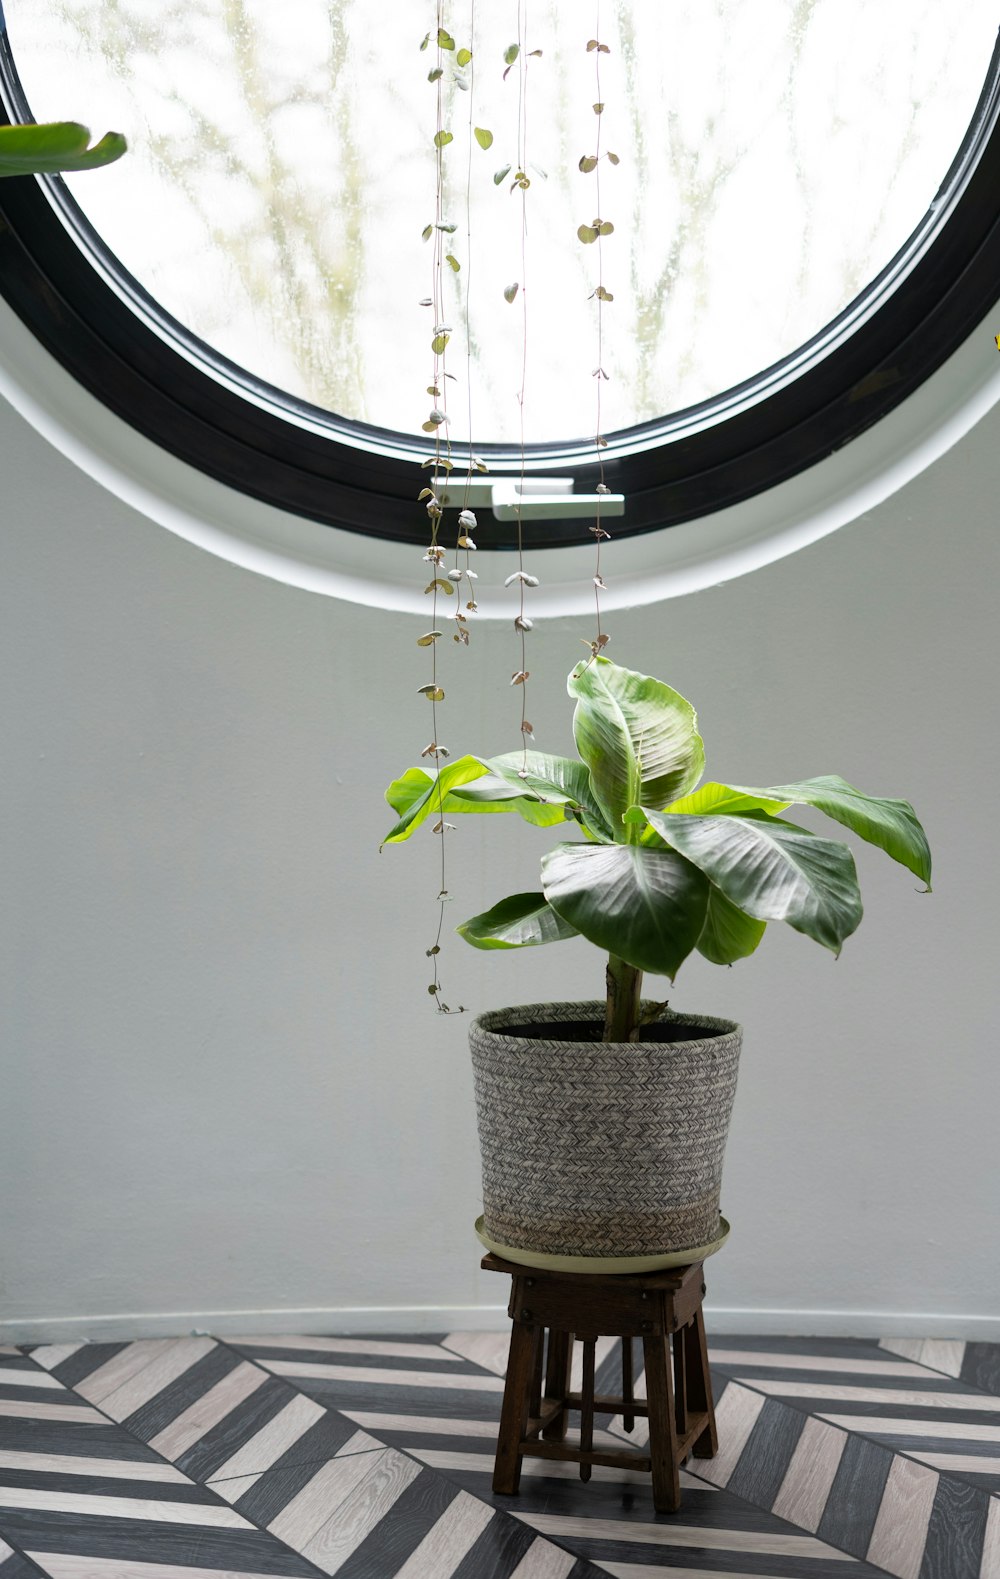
{"points": [[621, 1023]]}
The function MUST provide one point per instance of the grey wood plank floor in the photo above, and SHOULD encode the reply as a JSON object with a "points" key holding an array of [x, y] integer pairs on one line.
{"points": [[369, 1457]]}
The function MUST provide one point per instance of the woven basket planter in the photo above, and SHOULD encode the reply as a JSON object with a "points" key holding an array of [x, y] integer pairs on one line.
{"points": [[601, 1149]]}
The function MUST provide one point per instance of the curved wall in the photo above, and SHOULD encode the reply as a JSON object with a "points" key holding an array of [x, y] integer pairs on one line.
{"points": [[227, 1102]]}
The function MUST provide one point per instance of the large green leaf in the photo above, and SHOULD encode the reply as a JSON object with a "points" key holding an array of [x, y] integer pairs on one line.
{"points": [[646, 906], [542, 814], [493, 794], [490, 791], [728, 934], [482, 795], [521, 921], [402, 792], [772, 870], [562, 779], [637, 737], [414, 810], [890, 824], [60, 145], [722, 798]]}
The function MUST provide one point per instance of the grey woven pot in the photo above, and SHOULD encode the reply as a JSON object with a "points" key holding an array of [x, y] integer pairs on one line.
{"points": [[601, 1149]]}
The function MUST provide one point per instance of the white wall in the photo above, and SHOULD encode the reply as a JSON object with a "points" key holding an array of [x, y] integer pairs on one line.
{"points": [[226, 1100]]}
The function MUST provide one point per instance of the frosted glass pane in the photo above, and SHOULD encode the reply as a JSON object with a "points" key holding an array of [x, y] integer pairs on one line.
{"points": [[775, 154]]}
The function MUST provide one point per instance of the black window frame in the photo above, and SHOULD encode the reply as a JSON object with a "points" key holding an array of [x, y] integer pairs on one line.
{"points": [[116, 341]]}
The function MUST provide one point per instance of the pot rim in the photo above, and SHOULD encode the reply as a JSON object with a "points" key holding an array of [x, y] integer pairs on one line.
{"points": [[494, 1022]]}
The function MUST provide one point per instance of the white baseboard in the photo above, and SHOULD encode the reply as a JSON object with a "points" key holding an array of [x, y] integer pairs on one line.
{"points": [[851, 1324], [394, 1319], [334, 1321]]}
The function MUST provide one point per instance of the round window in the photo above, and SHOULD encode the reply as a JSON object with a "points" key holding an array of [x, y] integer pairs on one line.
{"points": [[805, 225]]}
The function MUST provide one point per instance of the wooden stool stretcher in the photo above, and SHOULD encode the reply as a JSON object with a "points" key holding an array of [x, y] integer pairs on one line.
{"points": [[661, 1308]]}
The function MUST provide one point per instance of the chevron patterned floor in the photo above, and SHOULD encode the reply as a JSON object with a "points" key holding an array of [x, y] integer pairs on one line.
{"points": [[371, 1458]]}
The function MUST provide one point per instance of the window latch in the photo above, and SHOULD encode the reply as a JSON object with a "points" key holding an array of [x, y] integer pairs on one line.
{"points": [[531, 498]]}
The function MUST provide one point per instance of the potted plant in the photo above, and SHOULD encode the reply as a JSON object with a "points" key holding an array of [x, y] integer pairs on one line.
{"points": [[602, 1124]]}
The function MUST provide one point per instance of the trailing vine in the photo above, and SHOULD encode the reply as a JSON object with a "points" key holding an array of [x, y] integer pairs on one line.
{"points": [[517, 54], [447, 583], [593, 234], [465, 544], [436, 424]]}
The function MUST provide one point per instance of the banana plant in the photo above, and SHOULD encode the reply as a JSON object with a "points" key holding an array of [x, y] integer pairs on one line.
{"points": [[58, 146], [664, 862]]}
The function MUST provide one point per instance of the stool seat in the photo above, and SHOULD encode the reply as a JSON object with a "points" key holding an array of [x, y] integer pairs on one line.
{"points": [[548, 1311]]}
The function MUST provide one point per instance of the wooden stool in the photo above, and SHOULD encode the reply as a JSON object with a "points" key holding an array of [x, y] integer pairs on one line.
{"points": [[655, 1307]]}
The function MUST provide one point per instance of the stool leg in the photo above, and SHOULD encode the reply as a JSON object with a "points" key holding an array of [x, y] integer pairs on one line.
{"points": [[681, 1379], [587, 1402], [662, 1425], [628, 1420], [558, 1365], [514, 1414], [535, 1401], [699, 1385]]}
